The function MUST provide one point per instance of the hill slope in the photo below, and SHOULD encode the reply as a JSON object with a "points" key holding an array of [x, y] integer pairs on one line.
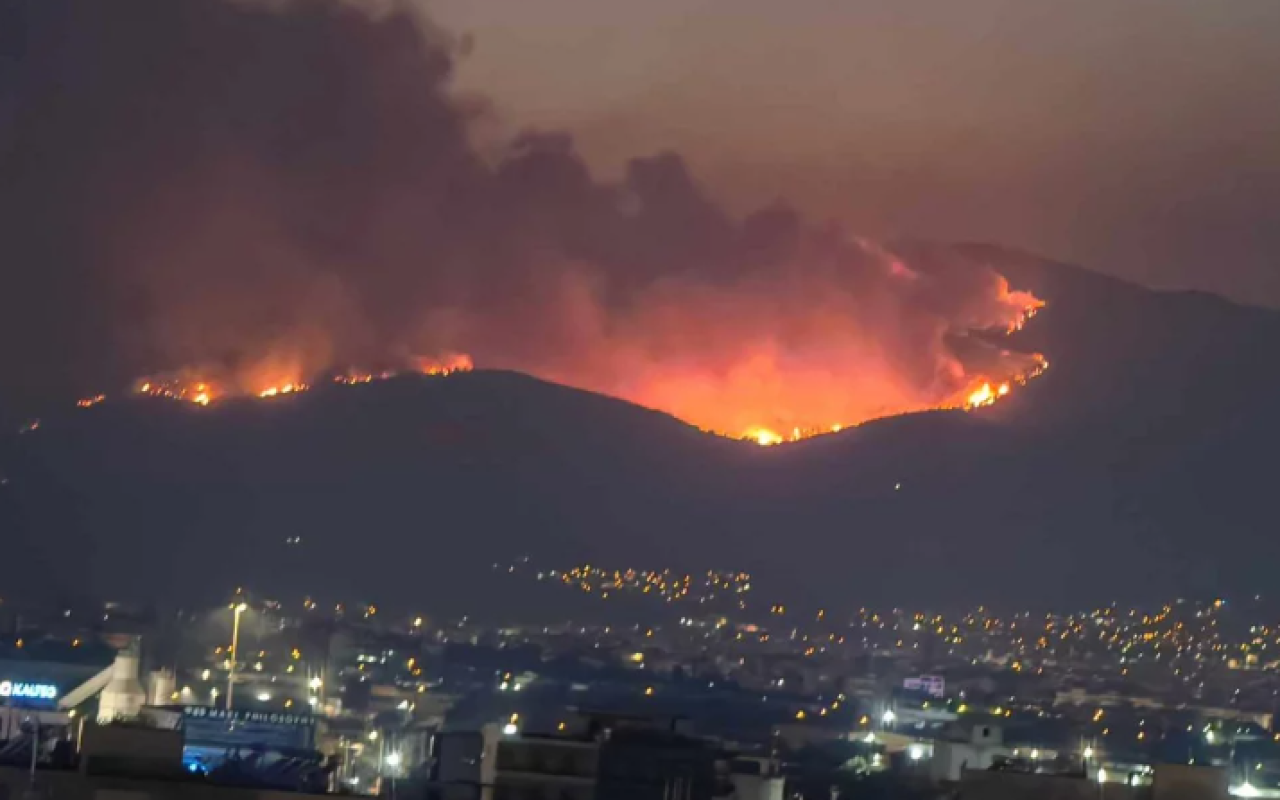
{"points": [[1139, 465]]}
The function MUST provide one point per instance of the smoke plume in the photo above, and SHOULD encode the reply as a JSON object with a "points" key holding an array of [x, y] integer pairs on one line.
{"points": [[266, 191]]}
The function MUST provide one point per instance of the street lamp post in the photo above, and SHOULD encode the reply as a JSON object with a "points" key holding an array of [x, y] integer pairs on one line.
{"points": [[237, 609]]}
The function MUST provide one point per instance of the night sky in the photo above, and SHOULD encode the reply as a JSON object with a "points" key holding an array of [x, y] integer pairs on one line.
{"points": [[1139, 138]]}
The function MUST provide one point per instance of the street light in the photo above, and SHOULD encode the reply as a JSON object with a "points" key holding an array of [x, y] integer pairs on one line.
{"points": [[237, 610], [393, 759]]}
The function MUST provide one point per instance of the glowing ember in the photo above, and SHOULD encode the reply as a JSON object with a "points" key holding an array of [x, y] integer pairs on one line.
{"points": [[354, 377], [288, 388], [449, 364], [90, 402], [984, 396], [199, 392], [763, 437]]}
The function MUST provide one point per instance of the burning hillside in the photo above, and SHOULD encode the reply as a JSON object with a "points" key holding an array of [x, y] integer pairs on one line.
{"points": [[341, 214], [203, 386]]}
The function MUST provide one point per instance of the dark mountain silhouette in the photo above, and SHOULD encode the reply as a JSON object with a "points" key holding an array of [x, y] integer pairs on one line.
{"points": [[1139, 466]]}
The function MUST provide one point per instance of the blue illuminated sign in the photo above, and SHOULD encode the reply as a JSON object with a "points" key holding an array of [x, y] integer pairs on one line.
{"points": [[28, 691]]}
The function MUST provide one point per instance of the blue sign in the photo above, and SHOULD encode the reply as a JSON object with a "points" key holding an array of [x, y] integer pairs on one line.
{"points": [[28, 691]]}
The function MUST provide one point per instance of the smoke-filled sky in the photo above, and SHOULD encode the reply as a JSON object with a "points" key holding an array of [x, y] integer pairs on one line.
{"points": [[264, 190], [1137, 137]]}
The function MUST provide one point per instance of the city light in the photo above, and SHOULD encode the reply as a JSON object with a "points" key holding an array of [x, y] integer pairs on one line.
{"points": [[1102, 775], [393, 759], [264, 697], [888, 718], [915, 752], [510, 729]]}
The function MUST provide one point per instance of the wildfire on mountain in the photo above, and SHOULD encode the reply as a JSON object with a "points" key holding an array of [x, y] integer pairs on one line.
{"points": [[269, 267], [205, 390]]}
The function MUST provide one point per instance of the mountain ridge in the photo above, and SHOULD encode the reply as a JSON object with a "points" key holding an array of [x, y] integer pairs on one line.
{"points": [[1103, 477]]}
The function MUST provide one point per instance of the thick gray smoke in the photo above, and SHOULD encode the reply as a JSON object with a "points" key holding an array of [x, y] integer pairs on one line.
{"points": [[260, 188]]}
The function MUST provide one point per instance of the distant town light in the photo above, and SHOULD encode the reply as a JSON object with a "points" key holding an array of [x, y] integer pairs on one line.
{"points": [[264, 697], [510, 729]]}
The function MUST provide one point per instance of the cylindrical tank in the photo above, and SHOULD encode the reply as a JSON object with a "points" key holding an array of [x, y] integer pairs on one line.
{"points": [[162, 685], [123, 696]]}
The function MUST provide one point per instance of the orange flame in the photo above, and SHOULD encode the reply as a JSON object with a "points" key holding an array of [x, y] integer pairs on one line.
{"points": [[199, 392], [288, 388], [261, 383], [446, 365], [759, 386], [980, 393]]}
